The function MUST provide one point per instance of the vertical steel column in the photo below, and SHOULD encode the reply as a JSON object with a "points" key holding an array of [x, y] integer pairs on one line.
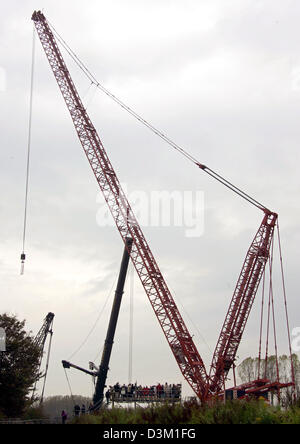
{"points": [[104, 366]]}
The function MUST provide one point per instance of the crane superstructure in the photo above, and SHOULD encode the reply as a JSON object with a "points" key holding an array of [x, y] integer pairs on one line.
{"points": [[159, 295], [40, 341]]}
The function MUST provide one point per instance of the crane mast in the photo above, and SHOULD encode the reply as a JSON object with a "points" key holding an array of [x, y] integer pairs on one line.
{"points": [[241, 303], [162, 302], [40, 340], [41, 336]]}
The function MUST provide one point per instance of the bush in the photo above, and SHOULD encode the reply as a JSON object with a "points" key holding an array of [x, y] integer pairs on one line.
{"points": [[34, 413], [234, 412]]}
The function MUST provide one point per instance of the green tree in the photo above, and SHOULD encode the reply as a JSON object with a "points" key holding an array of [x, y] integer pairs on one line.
{"points": [[19, 367]]}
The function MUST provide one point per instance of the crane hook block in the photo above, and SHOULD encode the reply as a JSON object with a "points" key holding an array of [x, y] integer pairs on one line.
{"points": [[23, 257]]}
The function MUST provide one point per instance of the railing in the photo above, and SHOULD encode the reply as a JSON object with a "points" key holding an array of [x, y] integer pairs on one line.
{"points": [[30, 421], [140, 397]]}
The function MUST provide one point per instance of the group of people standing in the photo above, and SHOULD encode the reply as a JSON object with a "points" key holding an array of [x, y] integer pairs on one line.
{"points": [[135, 391], [132, 392], [77, 412]]}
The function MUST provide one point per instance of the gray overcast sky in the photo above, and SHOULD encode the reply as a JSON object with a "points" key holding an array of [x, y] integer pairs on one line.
{"points": [[222, 79]]}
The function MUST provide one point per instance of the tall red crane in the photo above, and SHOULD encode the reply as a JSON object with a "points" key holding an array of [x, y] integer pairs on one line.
{"points": [[162, 302]]}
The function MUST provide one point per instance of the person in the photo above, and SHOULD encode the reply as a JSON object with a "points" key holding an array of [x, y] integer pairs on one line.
{"points": [[123, 391], [173, 391], [76, 410], [107, 395], [135, 391], [166, 390], [129, 390], [63, 417], [177, 391], [169, 391], [117, 390], [160, 389], [83, 409], [151, 392]]}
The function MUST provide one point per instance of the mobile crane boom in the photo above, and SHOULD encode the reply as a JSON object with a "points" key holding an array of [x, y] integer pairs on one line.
{"points": [[67, 364], [109, 340]]}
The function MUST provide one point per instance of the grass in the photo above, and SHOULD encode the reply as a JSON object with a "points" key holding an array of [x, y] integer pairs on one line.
{"points": [[235, 412]]}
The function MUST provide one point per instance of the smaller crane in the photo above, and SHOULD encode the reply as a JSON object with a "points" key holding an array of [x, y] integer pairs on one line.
{"points": [[40, 341], [101, 372]]}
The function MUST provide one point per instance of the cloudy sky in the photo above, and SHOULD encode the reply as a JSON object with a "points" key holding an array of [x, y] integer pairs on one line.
{"points": [[222, 79]]}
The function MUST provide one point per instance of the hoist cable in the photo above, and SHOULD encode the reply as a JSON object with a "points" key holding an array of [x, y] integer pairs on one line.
{"points": [[95, 323], [268, 328], [285, 304], [28, 150], [273, 313], [98, 354], [131, 295], [69, 385], [47, 366], [156, 131], [261, 323]]}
